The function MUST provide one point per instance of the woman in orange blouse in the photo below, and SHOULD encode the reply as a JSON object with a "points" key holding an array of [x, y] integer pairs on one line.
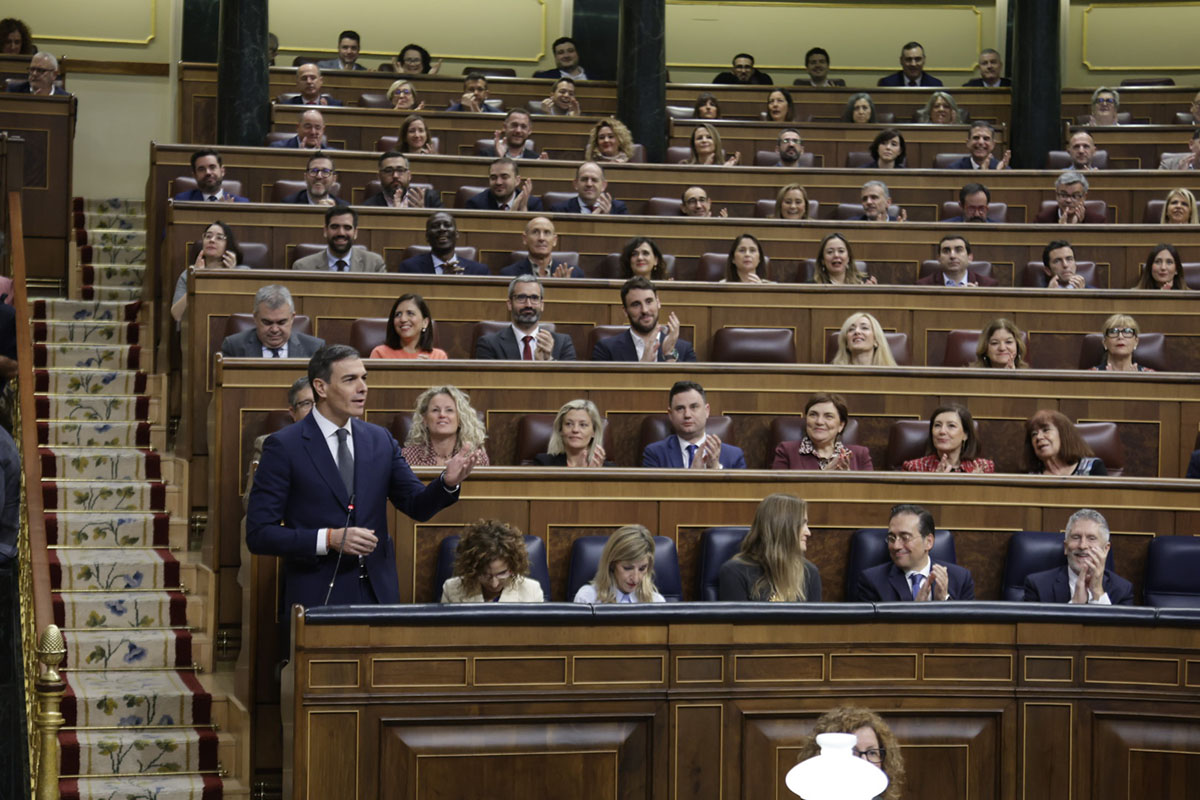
{"points": [[953, 445], [409, 331]]}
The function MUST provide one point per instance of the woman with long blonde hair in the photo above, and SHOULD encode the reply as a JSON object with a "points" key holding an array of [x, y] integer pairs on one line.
{"points": [[771, 565], [625, 573]]}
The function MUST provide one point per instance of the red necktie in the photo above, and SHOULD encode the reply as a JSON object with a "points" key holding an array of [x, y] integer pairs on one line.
{"points": [[527, 354]]}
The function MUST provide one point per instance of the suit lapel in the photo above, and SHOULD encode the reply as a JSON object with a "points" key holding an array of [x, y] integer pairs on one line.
{"points": [[508, 342], [1062, 586], [322, 460], [899, 585], [674, 454]]}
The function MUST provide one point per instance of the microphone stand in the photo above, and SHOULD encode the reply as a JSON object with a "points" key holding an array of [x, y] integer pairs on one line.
{"points": [[337, 564]]}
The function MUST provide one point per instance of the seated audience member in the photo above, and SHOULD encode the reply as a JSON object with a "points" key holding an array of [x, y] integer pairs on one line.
{"points": [[835, 263], [209, 173], [409, 331], [525, 339], [300, 405], [695, 203], [780, 106], [771, 567], [954, 254], [566, 61], [319, 177], [1121, 333], [825, 417], [396, 189], [641, 256], [414, 136], [888, 150], [218, 250], [341, 229], [507, 190], [861, 342], [491, 565], [443, 423], [402, 96], [272, 335], [1184, 160], [707, 150], [441, 232], [860, 109], [876, 202], [912, 69], [15, 38], [973, 199], [981, 141], [1179, 208], [1163, 270], [1054, 447], [876, 743], [690, 447], [310, 132], [309, 83], [791, 202], [576, 439], [415, 60], [707, 106], [1058, 261], [744, 72], [512, 139], [1071, 191], [746, 262], [43, 72], [591, 194], [646, 340], [816, 61], [1082, 149], [1106, 103], [940, 109], [953, 445], [562, 101], [609, 141], [790, 147], [540, 240], [348, 46], [912, 574], [1084, 579], [1001, 346], [625, 573], [474, 96], [990, 68]]}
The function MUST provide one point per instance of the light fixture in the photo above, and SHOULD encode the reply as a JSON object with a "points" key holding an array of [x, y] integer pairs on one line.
{"points": [[836, 774]]}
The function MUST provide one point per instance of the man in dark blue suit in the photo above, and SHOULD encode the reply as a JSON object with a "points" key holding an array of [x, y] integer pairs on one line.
{"points": [[540, 240], [323, 486], [507, 190], [209, 173], [989, 71], [310, 82], [912, 69], [691, 446], [1193, 470], [442, 233], [310, 132], [566, 61], [1083, 580], [912, 574], [973, 199], [592, 194], [981, 141], [43, 72], [645, 340]]}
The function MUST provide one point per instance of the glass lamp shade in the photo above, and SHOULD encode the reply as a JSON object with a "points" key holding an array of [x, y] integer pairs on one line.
{"points": [[836, 774]]}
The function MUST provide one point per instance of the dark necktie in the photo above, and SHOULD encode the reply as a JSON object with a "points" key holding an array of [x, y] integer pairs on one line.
{"points": [[341, 265], [691, 448], [275, 352], [345, 461], [916, 579], [504, 206], [527, 353], [211, 198]]}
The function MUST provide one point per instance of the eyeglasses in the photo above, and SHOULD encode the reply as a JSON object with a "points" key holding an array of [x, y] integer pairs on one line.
{"points": [[393, 170], [214, 237], [527, 298], [320, 172], [404, 91], [905, 538], [1104, 101], [1117, 333], [302, 404], [875, 755], [1071, 195], [39, 70], [497, 577]]}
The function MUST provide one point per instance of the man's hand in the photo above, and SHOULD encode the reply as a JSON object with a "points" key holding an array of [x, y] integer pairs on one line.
{"points": [[1004, 162], [501, 145], [1074, 282], [548, 105], [327, 200], [669, 341], [603, 204], [545, 346], [708, 455], [940, 578], [459, 466], [1073, 215], [574, 110], [724, 212], [524, 192], [469, 102], [353, 541], [562, 270], [413, 198]]}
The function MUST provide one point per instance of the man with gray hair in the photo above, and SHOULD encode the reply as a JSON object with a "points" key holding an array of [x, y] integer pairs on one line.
{"points": [[525, 339], [1071, 191], [876, 203], [272, 335], [43, 72], [1083, 579], [990, 68]]}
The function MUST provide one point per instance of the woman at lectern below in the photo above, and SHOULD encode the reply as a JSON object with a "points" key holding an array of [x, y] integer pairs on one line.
{"points": [[876, 743], [771, 565], [491, 565]]}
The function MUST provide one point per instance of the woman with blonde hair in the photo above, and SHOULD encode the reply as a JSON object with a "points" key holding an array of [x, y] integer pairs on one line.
{"points": [[862, 342], [835, 263], [771, 565], [625, 573], [876, 743], [1121, 333], [442, 424], [1180, 208], [491, 565], [1001, 346], [707, 150], [791, 202], [609, 140], [577, 436], [402, 96], [941, 109]]}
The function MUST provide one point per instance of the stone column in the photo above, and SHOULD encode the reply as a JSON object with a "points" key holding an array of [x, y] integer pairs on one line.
{"points": [[243, 94], [642, 75]]}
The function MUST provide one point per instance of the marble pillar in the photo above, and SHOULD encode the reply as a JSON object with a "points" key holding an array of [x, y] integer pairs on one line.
{"points": [[243, 93], [642, 75]]}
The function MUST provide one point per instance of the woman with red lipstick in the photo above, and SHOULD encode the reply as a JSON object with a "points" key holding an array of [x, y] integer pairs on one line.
{"points": [[409, 332], [1054, 447], [771, 565], [626, 570], [952, 446]]}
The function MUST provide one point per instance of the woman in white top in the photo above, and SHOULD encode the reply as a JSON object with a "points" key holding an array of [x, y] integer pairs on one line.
{"points": [[491, 565], [626, 570]]}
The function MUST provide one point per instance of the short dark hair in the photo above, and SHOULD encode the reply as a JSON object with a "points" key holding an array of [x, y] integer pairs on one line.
{"points": [[390, 154], [562, 40], [474, 76], [970, 448], [339, 211], [563, 79], [660, 269], [950, 236], [982, 123], [1196, 133], [838, 401], [685, 386], [814, 51], [392, 339], [207, 151], [925, 523], [512, 111], [744, 55], [320, 154], [1054, 245], [506, 160], [911, 45], [297, 386], [350, 35], [637, 282], [885, 135], [973, 188], [320, 366]]}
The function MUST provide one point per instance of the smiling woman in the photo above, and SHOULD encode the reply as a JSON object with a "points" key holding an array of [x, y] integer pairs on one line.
{"points": [[953, 444], [442, 424], [577, 438], [825, 418]]}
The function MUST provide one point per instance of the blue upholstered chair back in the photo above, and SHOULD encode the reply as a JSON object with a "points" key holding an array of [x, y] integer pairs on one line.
{"points": [[585, 558], [539, 569], [868, 548], [1172, 564], [717, 545], [1030, 552]]}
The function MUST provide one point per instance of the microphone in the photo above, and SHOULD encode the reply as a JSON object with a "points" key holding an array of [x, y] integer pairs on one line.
{"points": [[337, 564]]}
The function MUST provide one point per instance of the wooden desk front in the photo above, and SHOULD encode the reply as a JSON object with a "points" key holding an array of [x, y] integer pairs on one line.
{"points": [[1154, 105], [1142, 146]]}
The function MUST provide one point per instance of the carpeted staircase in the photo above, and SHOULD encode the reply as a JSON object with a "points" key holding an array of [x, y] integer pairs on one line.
{"points": [[144, 721]]}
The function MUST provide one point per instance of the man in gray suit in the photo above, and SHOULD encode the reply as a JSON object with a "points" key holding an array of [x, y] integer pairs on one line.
{"points": [[272, 335], [525, 339], [1183, 160], [348, 47], [340, 254]]}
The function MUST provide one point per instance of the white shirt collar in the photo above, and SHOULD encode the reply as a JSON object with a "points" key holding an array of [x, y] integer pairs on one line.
{"points": [[328, 429], [439, 265], [520, 335], [332, 260]]}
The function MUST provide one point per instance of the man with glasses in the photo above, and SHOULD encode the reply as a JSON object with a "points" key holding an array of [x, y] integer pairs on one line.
{"points": [[310, 132], [1070, 190], [340, 254], [43, 72], [319, 178], [396, 189], [694, 202], [442, 234], [272, 335], [526, 339], [475, 95], [912, 573], [790, 147], [309, 83]]}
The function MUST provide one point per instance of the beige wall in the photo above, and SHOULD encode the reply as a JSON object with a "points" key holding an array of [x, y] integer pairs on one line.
{"points": [[1109, 41]]}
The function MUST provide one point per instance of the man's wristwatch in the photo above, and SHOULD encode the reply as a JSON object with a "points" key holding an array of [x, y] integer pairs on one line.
{"points": [[673, 355]]}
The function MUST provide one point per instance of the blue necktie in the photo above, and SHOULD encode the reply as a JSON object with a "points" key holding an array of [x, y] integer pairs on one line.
{"points": [[691, 448], [916, 579]]}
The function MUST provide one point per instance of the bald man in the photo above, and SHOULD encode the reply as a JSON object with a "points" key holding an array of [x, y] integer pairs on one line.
{"points": [[310, 132], [540, 240], [592, 195], [309, 83]]}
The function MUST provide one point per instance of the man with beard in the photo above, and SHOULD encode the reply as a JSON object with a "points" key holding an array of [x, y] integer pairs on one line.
{"points": [[319, 177], [442, 233], [525, 339], [512, 139], [646, 340], [790, 147], [396, 189], [973, 199], [209, 173], [507, 190], [341, 229]]}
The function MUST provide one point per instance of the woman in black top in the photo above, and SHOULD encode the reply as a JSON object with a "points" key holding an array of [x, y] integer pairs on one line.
{"points": [[771, 565], [576, 440]]}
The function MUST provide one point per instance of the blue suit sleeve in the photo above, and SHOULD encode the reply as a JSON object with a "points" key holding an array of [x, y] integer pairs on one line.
{"points": [[686, 351], [967, 590], [1031, 595], [414, 498], [651, 457], [739, 460], [600, 351], [266, 530], [868, 592]]}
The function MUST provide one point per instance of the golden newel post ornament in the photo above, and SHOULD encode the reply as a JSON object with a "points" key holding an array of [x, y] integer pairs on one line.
{"points": [[50, 688]]}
